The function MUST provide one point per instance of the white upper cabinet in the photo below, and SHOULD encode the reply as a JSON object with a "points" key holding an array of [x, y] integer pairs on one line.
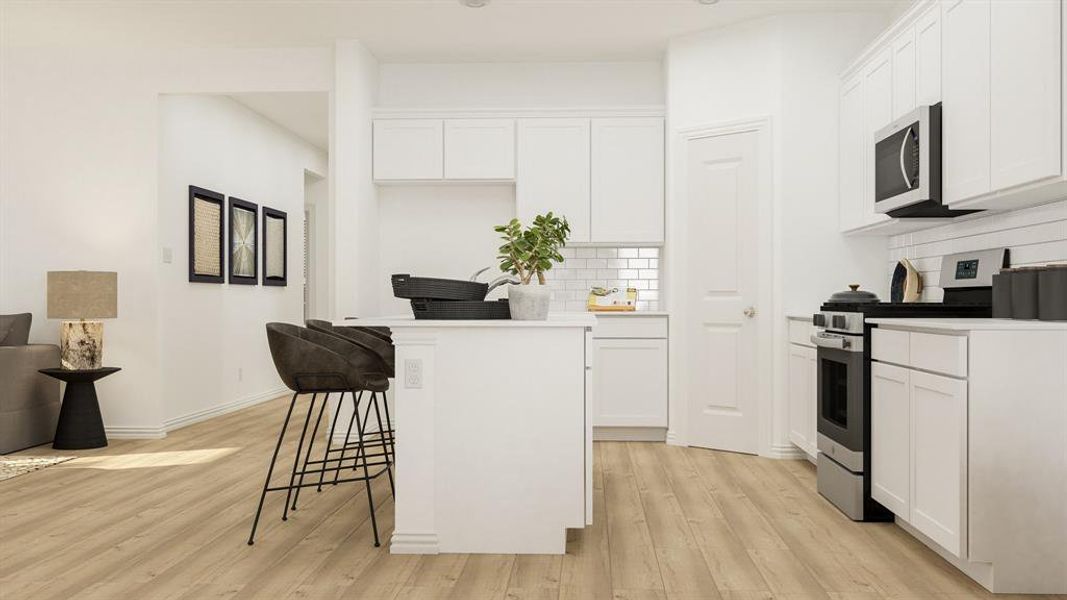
{"points": [[851, 171], [1002, 120], [408, 149], [553, 172], [627, 180], [877, 113], [928, 57], [904, 73], [480, 149], [1025, 92]]}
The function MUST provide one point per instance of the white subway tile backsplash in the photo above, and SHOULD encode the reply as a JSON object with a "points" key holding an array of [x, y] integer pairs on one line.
{"points": [[585, 268]]}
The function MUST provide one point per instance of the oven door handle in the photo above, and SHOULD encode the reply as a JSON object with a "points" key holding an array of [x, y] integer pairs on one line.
{"points": [[903, 168], [836, 343]]}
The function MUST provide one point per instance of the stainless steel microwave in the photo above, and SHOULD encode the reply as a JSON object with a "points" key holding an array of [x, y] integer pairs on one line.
{"points": [[907, 165]]}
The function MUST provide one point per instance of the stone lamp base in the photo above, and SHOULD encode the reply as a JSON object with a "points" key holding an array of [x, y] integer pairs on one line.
{"points": [[81, 344]]}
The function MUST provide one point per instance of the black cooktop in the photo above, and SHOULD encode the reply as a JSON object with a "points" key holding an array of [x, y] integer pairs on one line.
{"points": [[960, 302]]}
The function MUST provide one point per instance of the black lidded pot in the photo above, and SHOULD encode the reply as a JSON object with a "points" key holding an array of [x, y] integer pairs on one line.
{"points": [[1052, 293], [853, 295], [1002, 293]]}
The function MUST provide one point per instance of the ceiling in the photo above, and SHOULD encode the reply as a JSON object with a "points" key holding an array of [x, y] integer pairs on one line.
{"points": [[304, 113], [401, 30]]}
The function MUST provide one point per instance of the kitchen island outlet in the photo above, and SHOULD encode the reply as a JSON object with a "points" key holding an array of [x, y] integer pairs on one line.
{"points": [[493, 433]]}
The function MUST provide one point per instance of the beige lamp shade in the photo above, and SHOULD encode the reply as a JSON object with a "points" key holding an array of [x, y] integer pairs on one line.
{"points": [[83, 294]]}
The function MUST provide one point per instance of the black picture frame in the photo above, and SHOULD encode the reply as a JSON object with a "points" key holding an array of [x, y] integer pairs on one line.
{"points": [[234, 205], [199, 193], [268, 279]]}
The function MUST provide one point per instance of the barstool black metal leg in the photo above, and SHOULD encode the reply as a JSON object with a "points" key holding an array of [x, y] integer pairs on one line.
{"points": [[348, 436], [296, 459], [389, 423], [307, 455], [329, 441], [270, 469], [385, 444], [366, 476]]}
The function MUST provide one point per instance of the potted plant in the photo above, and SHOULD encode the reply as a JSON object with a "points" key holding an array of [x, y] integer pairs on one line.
{"points": [[527, 253]]}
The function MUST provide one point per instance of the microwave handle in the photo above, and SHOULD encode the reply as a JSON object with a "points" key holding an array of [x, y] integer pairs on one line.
{"points": [[903, 147]]}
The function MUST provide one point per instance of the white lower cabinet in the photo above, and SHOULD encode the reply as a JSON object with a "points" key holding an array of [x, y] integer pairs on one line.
{"points": [[630, 381], [939, 458], [802, 398], [891, 440]]}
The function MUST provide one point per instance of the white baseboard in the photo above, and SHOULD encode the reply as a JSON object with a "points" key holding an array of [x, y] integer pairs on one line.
{"points": [[227, 407], [786, 451], [673, 439], [127, 432], [413, 543], [629, 434]]}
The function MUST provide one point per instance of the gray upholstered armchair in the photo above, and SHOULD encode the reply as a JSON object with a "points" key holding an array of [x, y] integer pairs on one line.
{"points": [[29, 401]]}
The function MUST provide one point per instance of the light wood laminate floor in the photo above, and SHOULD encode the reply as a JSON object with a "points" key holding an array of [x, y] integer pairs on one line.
{"points": [[168, 519]]}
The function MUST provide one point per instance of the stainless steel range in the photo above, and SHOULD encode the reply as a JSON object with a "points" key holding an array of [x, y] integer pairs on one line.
{"points": [[844, 369]]}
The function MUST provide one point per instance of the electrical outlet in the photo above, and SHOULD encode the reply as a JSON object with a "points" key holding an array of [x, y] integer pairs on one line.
{"points": [[168, 255], [240, 374], [413, 373]]}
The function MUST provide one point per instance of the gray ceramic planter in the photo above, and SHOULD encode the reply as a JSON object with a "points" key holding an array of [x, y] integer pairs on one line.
{"points": [[529, 302]]}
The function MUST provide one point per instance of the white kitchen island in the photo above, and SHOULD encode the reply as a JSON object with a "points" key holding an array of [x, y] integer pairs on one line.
{"points": [[493, 433]]}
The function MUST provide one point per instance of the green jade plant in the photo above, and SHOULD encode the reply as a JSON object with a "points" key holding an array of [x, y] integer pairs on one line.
{"points": [[531, 251]]}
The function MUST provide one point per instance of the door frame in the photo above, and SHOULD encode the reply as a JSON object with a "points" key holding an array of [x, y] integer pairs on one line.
{"points": [[767, 301]]}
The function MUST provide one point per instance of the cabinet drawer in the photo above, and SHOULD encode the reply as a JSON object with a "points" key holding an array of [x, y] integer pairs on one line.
{"points": [[938, 353], [800, 332], [630, 326], [890, 345]]}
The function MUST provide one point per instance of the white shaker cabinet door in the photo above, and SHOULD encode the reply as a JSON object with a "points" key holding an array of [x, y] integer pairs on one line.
{"points": [[928, 57], [904, 71], [553, 172], [1025, 92], [480, 149], [965, 91], [891, 438], [408, 149], [877, 113], [627, 180], [802, 412], [939, 458], [851, 179], [630, 382]]}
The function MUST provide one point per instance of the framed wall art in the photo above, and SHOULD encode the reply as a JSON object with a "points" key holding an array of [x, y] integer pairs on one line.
{"points": [[243, 242], [206, 244], [275, 247]]}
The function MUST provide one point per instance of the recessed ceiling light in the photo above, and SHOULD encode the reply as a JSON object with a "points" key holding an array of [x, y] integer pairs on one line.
{"points": [[708, 1], [474, 3]]}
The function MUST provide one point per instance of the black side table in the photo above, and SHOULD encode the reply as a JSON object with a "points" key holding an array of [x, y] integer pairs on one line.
{"points": [[80, 424]]}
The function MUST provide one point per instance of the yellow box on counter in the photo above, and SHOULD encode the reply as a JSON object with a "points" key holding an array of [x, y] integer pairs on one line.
{"points": [[612, 300]]}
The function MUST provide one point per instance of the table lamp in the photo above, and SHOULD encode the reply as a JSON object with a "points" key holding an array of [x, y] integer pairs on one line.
{"points": [[86, 296]]}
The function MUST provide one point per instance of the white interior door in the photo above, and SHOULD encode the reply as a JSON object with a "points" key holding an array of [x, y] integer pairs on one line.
{"points": [[722, 195]]}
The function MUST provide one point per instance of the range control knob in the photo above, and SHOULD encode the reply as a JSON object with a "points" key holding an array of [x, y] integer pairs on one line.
{"points": [[819, 320], [839, 322]]}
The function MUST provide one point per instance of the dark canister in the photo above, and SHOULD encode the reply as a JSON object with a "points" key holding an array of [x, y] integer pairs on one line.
{"points": [[1024, 293], [1002, 294], [1052, 293]]}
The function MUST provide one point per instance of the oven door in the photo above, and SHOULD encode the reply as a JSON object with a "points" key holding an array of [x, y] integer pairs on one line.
{"points": [[841, 413]]}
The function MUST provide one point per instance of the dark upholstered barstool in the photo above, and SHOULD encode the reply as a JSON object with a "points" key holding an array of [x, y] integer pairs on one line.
{"points": [[313, 362], [368, 338]]}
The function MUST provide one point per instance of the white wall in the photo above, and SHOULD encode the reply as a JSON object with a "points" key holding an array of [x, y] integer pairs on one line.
{"points": [[1034, 236], [78, 184], [784, 68], [521, 85], [211, 337], [353, 210]]}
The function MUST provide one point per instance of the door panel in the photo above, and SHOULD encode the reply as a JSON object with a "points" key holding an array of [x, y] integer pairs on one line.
{"points": [[938, 460], [965, 93], [408, 149], [627, 180], [553, 172], [722, 200], [904, 73], [631, 383], [1025, 92], [928, 57], [891, 438]]}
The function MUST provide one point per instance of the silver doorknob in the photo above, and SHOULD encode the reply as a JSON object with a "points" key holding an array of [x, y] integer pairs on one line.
{"points": [[750, 312]]}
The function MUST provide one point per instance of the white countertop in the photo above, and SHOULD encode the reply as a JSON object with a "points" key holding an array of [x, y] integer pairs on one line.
{"points": [[632, 313], [574, 319], [972, 324]]}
